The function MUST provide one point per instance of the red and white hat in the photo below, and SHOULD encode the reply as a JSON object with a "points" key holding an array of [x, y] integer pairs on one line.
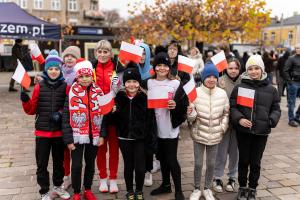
{"points": [[83, 67]]}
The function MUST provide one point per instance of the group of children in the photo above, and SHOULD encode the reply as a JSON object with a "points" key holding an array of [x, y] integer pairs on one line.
{"points": [[70, 123]]}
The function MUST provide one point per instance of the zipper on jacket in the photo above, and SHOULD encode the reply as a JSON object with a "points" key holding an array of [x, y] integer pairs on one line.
{"points": [[130, 115], [52, 102], [89, 113], [210, 110]]}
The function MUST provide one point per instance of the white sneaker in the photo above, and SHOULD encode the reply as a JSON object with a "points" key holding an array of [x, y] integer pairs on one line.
{"points": [[113, 186], [103, 185], [148, 179], [45, 196], [218, 185], [231, 186], [60, 192], [67, 182], [195, 195], [156, 166], [208, 195]]}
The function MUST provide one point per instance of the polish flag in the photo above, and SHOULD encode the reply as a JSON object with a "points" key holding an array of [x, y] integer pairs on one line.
{"points": [[36, 53], [245, 97], [186, 64], [106, 102], [21, 76], [220, 61], [130, 52], [190, 90], [158, 98]]}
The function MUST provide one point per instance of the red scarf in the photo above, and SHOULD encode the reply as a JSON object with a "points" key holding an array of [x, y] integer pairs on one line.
{"points": [[85, 111]]}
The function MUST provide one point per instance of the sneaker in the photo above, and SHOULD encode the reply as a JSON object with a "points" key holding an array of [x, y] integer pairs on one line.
{"points": [[67, 182], [242, 193], [162, 189], [251, 194], [156, 166], [76, 196], [293, 124], [103, 185], [113, 187], [139, 195], [88, 195], [297, 120], [179, 196], [60, 192], [45, 196], [130, 196], [195, 195], [11, 89], [208, 195], [231, 186], [148, 179], [218, 185]]}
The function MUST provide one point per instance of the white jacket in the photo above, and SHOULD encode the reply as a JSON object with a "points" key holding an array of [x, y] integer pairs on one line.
{"points": [[210, 115]]}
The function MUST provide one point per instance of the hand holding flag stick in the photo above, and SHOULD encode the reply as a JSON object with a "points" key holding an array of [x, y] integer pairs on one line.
{"points": [[246, 98]]}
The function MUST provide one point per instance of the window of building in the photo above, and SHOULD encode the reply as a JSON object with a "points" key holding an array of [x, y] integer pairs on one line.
{"points": [[72, 5], [273, 36], [23, 3], [4, 1], [55, 4], [38, 4], [73, 21], [290, 35], [265, 36]]}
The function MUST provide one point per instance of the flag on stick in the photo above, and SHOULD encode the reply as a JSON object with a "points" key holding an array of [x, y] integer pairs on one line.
{"points": [[186, 64], [220, 61], [245, 97], [190, 90], [130, 52], [21, 76], [36, 53]]}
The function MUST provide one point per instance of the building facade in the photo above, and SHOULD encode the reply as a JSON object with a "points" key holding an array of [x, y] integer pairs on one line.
{"points": [[284, 33], [64, 12]]}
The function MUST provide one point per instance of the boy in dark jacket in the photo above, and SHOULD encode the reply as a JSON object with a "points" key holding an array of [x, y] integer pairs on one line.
{"points": [[134, 128], [254, 110], [47, 102]]}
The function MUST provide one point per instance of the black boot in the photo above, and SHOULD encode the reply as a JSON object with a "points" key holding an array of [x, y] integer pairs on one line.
{"points": [[179, 196], [252, 194], [139, 195], [242, 193], [162, 189]]}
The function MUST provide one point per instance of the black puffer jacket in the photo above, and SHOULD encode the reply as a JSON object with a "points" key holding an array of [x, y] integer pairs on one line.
{"points": [[291, 70], [51, 99], [266, 112], [133, 119]]}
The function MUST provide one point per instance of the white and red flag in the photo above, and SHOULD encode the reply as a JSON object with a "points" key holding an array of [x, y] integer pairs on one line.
{"points": [[245, 97], [106, 102], [158, 98], [186, 64], [21, 76], [190, 90], [220, 61], [130, 52], [36, 53]]}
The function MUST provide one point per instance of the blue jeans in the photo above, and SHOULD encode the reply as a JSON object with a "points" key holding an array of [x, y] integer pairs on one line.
{"points": [[293, 89]]}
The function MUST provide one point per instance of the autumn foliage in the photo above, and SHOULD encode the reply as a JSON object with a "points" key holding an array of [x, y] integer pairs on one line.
{"points": [[199, 20]]}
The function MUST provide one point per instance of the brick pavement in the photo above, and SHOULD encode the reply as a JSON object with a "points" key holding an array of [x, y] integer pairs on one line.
{"points": [[280, 176]]}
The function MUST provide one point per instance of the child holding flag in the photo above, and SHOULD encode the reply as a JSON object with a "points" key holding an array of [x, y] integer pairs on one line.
{"points": [[254, 110], [82, 122], [170, 113], [209, 116], [48, 108]]}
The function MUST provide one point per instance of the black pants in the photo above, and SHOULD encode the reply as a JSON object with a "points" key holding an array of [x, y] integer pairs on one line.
{"points": [[251, 148], [90, 152], [43, 146], [133, 152], [167, 155], [149, 161], [11, 83]]}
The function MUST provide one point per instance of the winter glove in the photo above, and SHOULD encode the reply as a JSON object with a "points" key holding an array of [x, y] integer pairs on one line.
{"points": [[24, 97], [56, 117]]}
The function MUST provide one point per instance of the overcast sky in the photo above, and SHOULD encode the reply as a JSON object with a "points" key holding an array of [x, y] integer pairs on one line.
{"points": [[285, 7]]}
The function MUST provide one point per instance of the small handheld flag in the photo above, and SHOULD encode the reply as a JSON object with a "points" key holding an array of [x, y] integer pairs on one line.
{"points": [[130, 52], [186, 64], [220, 61], [21, 76]]}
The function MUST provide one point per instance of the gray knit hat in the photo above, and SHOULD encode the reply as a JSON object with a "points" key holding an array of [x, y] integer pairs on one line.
{"points": [[72, 50]]}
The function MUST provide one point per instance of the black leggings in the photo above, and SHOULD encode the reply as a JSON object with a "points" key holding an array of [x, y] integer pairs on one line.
{"points": [[90, 153], [133, 152], [167, 155]]}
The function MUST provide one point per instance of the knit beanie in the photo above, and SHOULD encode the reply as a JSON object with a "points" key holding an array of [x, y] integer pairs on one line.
{"points": [[73, 51], [53, 60], [83, 67], [209, 70], [161, 58], [255, 60], [131, 74]]}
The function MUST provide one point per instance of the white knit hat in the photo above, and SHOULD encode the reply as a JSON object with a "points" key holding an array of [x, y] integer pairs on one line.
{"points": [[83, 67], [255, 60]]}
